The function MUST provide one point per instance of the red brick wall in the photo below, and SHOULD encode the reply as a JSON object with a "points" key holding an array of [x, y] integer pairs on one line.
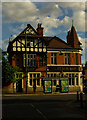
{"points": [[72, 59], [48, 58], [14, 60], [60, 59], [79, 59]]}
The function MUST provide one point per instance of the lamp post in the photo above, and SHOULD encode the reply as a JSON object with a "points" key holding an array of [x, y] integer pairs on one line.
{"points": [[26, 60]]}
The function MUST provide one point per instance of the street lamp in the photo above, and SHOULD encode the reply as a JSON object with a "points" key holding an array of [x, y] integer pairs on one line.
{"points": [[26, 60]]}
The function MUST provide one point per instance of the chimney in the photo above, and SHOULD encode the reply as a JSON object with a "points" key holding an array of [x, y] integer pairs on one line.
{"points": [[40, 29]]}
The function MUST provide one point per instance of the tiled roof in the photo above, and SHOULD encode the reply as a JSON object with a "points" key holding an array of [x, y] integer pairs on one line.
{"points": [[73, 38], [55, 42]]}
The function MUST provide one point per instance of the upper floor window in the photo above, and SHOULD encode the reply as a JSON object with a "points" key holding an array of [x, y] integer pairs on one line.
{"points": [[30, 43], [76, 59], [31, 60], [67, 58], [53, 58]]}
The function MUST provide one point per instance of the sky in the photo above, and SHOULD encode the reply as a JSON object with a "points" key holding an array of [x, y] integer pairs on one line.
{"points": [[56, 18]]}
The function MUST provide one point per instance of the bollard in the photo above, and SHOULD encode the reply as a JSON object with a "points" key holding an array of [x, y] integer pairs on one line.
{"points": [[81, 100], [77, 96]]}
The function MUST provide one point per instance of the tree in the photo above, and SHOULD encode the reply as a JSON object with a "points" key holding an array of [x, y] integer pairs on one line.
{"points": [[8, 71]]}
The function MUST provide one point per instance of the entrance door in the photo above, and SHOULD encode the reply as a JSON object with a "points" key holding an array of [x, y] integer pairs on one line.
{"points": [[19, 86]]}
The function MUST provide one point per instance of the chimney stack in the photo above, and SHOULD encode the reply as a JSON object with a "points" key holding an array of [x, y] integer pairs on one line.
{"points": [[40, 29]]}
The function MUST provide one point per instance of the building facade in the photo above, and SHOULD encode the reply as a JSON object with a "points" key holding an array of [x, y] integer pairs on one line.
{"points": [[41, 57]]}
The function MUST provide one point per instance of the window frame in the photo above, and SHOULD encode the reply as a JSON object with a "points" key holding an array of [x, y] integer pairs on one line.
{"points": [[67, 58], [34, 77], [53, 58], [31, 60]]}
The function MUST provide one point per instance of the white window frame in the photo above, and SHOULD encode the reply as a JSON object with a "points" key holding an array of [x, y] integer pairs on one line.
{"points": [[67, 58], [53, 57], [33, 78], [29, 59]]}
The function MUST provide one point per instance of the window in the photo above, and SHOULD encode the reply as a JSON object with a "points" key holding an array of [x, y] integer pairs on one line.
{"points": [[19, 75], [54, 82], [34, 78], [72, 79], [34, 75], [69, 79], [53, 58], [76, 59], [67, 58], [38, 81], [54, 75], [31, 60], [51, 75], [77, 79], [31, 82], [29, 43], [48, 75], [38, 75]]}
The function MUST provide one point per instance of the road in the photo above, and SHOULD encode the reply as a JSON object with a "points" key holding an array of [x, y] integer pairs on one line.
{"points": [[42, 107]]}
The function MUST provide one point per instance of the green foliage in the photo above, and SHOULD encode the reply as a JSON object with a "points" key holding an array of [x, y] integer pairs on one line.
{"points": [[8, 72]]}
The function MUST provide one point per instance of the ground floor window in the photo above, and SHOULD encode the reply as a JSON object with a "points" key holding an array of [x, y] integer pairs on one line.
{"points": [[54, 82], [19, 81], [73, 77], [69, 79], [34, 79]]}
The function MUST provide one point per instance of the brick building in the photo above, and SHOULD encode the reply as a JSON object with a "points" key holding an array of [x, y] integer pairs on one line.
{"points": [[45, 57]]}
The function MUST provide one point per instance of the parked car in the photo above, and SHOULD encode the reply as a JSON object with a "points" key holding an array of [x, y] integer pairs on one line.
{"points": [[85, 87]]}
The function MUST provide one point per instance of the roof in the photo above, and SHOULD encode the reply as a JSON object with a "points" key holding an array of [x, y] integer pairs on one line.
{"points": [[51, 42], [55, 42], [73, 38]]}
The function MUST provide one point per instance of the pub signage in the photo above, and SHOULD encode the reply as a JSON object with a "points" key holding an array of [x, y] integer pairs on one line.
{"points": [[63, 68]]}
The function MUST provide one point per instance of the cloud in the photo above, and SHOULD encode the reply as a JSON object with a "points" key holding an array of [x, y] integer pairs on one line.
{"points": [[51, 9], [0, 43], [84, 46], [79, 20], [82, 40], [5, 43], [78, 10], [75, 6], [30, 12], [19, 12]]}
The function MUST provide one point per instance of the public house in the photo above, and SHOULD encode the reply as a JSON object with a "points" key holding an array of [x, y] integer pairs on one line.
{"points": [[45, 58]]}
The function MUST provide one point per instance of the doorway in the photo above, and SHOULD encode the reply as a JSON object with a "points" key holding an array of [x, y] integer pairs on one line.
{"points": [[19, 86]]}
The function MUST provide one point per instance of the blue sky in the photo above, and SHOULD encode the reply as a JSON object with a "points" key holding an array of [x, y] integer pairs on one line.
{"points": [[56, 18]]}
